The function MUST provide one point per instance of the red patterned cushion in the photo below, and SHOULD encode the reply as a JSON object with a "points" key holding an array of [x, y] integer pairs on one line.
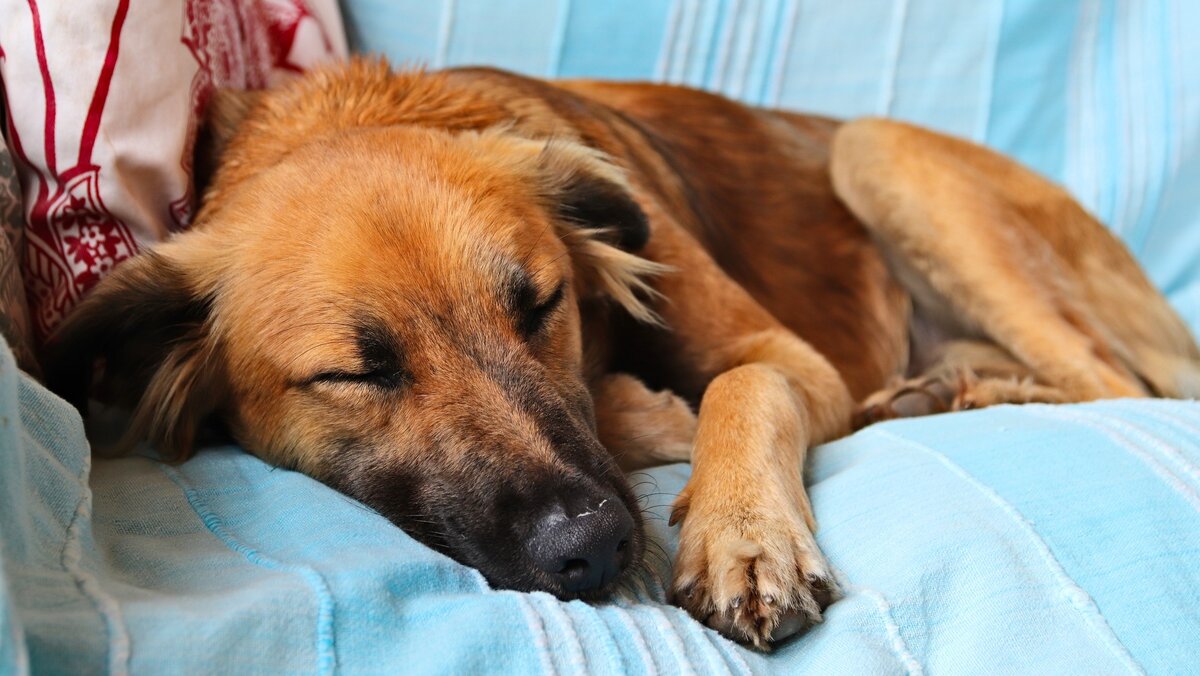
{"points": [[104, 99]]}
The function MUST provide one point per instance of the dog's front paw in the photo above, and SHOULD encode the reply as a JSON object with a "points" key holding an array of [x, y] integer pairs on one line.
{"points": [[753, 574]]}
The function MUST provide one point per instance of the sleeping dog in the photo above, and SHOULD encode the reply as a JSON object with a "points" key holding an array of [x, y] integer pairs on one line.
{"points": [[472, 300]]}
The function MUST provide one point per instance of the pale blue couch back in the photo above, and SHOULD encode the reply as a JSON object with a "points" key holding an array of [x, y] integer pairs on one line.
{"points": [[1101, 95]]}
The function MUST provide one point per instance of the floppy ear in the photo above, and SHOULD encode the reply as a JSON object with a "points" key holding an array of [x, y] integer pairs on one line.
{"points": [[601, 224], [140, 340], [589, 192], [224, 114]]}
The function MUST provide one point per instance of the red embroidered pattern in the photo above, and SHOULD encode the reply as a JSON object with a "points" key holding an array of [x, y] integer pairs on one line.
{"points": [[73, 237], [231, 45], [236, 44]]}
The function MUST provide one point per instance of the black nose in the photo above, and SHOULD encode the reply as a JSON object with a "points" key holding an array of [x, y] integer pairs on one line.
{"points": [[584, 543]]}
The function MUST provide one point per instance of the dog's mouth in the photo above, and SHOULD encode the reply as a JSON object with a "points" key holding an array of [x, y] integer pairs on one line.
{"points": [[536, 506]]}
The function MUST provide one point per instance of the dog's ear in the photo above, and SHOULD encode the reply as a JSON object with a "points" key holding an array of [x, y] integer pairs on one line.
{"points": [[602, 224], [590, 193], [594, 202], [226, 110], [141, 341]]}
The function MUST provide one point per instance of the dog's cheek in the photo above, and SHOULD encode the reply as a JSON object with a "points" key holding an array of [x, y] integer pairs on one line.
{"points": [[570, 340], [265, 418], [565, 367]]}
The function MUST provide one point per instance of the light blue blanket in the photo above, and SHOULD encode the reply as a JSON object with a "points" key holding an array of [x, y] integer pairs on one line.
{"points": [[1022, 540]]}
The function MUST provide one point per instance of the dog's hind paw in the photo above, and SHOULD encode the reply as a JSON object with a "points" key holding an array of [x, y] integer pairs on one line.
{"points": [[755, 579], [910, 398]]}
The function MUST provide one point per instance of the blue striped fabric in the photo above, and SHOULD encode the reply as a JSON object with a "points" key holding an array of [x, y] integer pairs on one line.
{"points": [[1100, 95], [1020, 540]]}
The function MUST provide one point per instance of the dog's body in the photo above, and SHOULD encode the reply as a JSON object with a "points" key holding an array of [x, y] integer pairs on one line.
{"points": [[437, 291]]}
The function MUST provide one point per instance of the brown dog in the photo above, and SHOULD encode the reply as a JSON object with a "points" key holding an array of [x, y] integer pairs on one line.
{"points": [[459, 296]]}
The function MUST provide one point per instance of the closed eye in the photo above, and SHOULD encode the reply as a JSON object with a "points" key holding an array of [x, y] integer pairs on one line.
{"points": [[535, 318], [380, 359], [382, 378]]}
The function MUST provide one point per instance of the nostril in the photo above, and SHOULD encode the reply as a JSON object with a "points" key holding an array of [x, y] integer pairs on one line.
{"points": [[586, 551], [574, 568]]}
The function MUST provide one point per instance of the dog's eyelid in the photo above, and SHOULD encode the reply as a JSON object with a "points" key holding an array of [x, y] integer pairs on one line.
{"points": [[381, 358], [382, 377], [554, 298], [534, 319]]}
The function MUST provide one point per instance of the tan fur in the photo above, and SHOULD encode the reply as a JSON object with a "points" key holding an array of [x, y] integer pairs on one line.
{"points": [[642, 428], [795, 266]]}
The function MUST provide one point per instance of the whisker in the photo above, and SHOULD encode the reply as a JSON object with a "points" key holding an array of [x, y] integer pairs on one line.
{"points": [[658, 558], [661, 550], [549, 224]]}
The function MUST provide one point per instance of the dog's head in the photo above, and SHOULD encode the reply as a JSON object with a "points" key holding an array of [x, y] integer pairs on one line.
{"points": [[393, 310]]}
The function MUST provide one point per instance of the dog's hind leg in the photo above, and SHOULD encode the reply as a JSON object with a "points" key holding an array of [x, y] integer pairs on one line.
{"points": [[993, 252], [641, 427]]}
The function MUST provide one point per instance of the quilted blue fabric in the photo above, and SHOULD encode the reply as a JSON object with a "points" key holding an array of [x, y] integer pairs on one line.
{"points": [[1100, 95]]}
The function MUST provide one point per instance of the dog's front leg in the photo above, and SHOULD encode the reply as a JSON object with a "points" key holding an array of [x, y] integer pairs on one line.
{"points": [[748, 563]]}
